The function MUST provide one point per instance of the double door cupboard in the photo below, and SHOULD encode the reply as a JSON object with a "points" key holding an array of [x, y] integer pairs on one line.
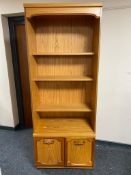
{"points": [[63, 57]]}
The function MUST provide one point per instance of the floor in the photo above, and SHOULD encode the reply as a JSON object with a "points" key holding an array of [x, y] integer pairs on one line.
{"points": [[16, 157]]}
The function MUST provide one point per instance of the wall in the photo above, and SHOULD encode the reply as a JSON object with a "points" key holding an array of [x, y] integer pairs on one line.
{"points": [[6, 113], [114, 90], [8, 103], [114, 111]]}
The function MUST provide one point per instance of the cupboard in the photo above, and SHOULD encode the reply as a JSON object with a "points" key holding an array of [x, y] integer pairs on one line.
{"points": [[63, 56]]}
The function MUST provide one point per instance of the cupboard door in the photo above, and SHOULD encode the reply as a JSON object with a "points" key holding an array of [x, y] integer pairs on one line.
{"points": [[80, 152], [49, 151]]}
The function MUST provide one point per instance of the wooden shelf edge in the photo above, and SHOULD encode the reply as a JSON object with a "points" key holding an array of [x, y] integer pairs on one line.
{"points": [[79, 108], [62, 54], [62, 78], [90, 135]]}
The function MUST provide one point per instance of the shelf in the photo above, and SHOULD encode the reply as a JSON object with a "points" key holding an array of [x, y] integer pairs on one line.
{"points": [[63, 127], [58, 53], [63, 108], [63, 78]]}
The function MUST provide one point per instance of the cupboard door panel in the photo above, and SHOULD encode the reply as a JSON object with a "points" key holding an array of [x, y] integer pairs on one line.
{"points": [[79, 151], [49, 151]]}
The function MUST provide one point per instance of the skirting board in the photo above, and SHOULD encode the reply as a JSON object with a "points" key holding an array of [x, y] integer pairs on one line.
{"points": [[10, 128], [112, 143]]}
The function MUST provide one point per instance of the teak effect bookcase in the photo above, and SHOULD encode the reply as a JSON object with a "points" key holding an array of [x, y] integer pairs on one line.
{"points": [[63, 55]]}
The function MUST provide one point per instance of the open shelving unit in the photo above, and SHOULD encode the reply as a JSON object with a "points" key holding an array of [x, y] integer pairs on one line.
{"points": [[63, 50]]}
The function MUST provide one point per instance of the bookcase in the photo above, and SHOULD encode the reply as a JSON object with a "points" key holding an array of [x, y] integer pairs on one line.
{"points": [[63, 56]]}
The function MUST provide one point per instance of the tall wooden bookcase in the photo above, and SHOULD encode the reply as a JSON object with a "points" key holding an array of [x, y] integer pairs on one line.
{"points": [[63, 55]]}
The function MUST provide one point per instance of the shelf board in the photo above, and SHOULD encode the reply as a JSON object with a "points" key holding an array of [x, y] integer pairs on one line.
{"points": [[63, 108], [63, 78], [63, 127], [59, 53]]}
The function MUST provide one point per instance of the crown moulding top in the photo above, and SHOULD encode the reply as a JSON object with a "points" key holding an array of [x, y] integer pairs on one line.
{"points": [[51, 5], [37, 9]]}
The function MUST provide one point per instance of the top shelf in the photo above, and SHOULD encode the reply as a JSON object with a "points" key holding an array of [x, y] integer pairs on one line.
{"points": [[58, 53]]}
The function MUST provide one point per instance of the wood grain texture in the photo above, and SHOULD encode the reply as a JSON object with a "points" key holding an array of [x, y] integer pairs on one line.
{"points": [[63, 127], [62, 94], [63, 108], [38, 5], [31, 47], [95, 71], [63, 114], [64, 34], [63, 78], [49, 151], [63, 59], [63, 66], [79, 151], [92, 11]]}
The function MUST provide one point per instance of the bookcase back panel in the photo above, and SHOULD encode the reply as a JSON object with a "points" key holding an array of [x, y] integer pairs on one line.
{"points": [[64, 66], [64, 33], [42, 115], [64, 93]]}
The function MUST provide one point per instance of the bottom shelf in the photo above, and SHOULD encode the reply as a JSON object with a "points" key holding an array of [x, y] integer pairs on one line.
{"points": [[63, 127]]}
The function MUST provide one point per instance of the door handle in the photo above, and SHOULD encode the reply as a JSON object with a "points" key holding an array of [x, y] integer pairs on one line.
{"points": [[48, 141], [79, 142]]}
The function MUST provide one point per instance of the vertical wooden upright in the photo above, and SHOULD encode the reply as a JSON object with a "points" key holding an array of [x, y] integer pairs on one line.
{"points": [[63, 55]]}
